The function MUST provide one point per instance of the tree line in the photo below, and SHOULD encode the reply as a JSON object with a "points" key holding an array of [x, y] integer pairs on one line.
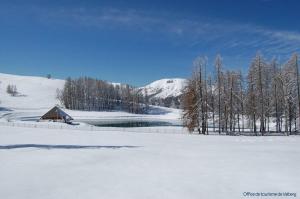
{"points": [[170, 102], [265, 100], [91, 94]]}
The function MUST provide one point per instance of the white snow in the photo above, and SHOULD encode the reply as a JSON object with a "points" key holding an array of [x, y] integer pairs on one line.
{"points": [[165, 88], [34, 92], [143, 165]]}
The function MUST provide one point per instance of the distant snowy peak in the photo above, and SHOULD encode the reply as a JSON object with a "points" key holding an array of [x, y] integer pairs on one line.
{"points": [[165, 88]]}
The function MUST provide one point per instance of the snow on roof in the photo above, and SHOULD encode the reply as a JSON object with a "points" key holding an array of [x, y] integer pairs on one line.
{"points": [[56, 113]]}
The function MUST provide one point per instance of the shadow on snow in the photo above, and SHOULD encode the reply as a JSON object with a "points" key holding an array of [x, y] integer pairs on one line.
{"points": [[47, 146]]}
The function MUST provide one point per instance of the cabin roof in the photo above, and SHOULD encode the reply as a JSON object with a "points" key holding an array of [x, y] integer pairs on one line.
{"points": [[56, 113]]}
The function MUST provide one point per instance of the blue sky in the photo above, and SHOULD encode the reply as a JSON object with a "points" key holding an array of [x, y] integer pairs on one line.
{"points": [[137, 42]]}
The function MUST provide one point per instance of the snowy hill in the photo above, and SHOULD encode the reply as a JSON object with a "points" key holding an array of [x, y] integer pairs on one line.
{"points": [[33, 92], [165, 88], [165, 92]]}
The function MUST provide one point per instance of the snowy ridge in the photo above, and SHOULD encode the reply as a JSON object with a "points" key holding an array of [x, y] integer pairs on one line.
{"points": [[165, 88]]}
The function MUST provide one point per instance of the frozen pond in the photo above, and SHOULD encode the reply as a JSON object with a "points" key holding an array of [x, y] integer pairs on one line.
{"points": [[130, 123], [135, 124]]}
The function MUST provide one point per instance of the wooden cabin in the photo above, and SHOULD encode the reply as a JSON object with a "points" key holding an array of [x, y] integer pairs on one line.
{"points": [[57, 114]]}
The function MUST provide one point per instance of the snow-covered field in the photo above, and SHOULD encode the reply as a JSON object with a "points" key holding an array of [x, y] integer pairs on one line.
{"points": [[45, 163]]}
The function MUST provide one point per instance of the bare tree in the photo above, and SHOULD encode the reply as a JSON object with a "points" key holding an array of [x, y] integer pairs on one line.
{"points": [[218, 65], [212, 102], [190, 106], [199, 64]]}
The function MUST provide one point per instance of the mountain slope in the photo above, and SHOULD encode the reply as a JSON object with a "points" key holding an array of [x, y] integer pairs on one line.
{"points": [[165, 92], [165, 88], [33, 92]]}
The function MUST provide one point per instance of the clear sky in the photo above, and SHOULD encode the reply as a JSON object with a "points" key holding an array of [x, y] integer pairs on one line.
{"points": [[140, 41]]}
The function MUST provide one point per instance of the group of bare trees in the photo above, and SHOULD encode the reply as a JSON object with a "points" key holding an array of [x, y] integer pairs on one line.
{"points": [[12, 89], [96, 95], [171, 101], [264, 100]]}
